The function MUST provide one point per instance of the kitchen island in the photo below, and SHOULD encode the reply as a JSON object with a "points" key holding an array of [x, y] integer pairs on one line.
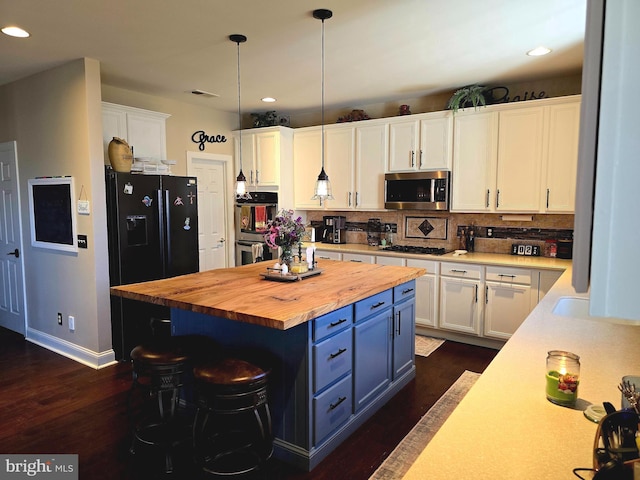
{"points": [[505, 427], [342, 342]]}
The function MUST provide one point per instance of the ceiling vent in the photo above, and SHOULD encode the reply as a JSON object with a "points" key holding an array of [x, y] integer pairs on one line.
{"points": [[205, 94]]}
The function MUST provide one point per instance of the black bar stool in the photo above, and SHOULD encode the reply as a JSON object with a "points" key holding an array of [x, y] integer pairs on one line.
{"points": [[232, 428], [162, 368]]}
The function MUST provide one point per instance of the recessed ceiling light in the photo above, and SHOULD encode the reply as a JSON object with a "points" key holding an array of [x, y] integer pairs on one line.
{"points": [[268, 99], [15, 32], [538, 51]]}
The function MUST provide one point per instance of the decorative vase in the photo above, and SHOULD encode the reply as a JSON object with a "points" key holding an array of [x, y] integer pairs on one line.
{"points": [[286, 256], [120, 155]]}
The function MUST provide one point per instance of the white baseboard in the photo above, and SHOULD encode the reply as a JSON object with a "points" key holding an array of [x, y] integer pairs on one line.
{"points": [[70, 350]]}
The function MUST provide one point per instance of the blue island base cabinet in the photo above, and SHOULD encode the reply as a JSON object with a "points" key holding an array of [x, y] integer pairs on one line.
{"points": [[331, 373]]}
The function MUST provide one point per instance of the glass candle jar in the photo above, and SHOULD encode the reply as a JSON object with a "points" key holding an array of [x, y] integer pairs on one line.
{"points": [[563, 377]]}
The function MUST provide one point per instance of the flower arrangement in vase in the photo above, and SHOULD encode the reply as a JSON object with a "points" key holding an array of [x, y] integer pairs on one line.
{"points": [[284, 231]]}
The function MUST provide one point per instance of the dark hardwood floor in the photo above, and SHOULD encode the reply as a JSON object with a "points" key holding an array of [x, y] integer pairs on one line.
{"points": [[50, 404]]}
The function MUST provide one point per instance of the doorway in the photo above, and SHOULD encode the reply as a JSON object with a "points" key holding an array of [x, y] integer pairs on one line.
{"points": [[12, 288], [214, 243]]}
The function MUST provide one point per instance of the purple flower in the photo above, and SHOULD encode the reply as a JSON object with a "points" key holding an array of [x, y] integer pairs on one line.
{"points": [[283, 230]]}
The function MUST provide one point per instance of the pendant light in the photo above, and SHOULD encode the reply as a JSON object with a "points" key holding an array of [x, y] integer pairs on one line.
{"points": [[241, 180], [323, 185]]}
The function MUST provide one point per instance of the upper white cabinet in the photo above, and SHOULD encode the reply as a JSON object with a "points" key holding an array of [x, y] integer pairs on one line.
{"points": [[267, 157], [474, 162], [144, 130], [355, 159], [339, 165], [372, 146], [520, 137], [516, 157], [560, 169], [307, 159], [421, 142]]}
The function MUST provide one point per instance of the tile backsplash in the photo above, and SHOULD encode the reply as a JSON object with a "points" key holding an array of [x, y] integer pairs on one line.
{"points": [[493, 235]]}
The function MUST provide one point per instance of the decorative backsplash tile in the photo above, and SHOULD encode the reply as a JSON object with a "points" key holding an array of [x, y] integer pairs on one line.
{"points": [[503, 233]]}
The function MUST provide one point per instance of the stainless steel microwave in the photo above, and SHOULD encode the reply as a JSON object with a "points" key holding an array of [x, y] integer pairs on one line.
{"points": [[417, 190]]}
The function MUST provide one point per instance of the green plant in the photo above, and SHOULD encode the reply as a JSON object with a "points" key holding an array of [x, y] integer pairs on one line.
{"points": [[469, 96]]}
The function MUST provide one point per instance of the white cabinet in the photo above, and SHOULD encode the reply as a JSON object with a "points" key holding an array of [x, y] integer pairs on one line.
{"points": [[267, 157], [519, 163], [460, 287], [355, 159], [403, 144], [507, 297], [307, 151], [516, 158], [546, 280], [143, 130], [474, 162], [339, 164], [426, 292], [327, 255], [436, 141], [397, 261], [485, 301], [560, 168], [358, 258], [421, 142], [372, 146]]}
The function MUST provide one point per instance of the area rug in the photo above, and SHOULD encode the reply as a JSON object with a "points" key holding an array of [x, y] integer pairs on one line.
{"points": [[425, 346], [408, 450]]}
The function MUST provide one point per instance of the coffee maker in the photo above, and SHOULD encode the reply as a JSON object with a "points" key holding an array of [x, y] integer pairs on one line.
{"points": [[335, 229]]}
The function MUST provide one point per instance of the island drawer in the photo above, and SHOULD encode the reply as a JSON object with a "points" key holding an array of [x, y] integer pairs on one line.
{"points": [[374, 304], [332, 323], [332, 358], [331, 409], [406, 290]]}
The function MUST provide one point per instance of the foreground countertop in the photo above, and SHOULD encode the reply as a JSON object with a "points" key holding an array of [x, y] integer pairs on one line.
{"points": [[506, 428], [242, 294], [499, 259]]}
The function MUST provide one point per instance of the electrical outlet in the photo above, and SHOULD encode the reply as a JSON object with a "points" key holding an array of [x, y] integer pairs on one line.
{"points": [[59, 318], [72, 323]]}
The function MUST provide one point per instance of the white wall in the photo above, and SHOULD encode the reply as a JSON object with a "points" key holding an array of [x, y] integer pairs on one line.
{"points": [[56, 119], [185, 119], [57, 125]]}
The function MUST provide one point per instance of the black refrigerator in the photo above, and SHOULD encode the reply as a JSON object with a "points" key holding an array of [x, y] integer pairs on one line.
{"points": [[152, 223]]}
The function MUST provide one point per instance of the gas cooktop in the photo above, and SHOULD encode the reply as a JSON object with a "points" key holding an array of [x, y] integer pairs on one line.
{"points": [[416, 249]]}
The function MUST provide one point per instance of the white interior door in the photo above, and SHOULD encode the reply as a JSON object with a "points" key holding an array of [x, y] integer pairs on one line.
{"points": [[12, 305], [213, 207]]}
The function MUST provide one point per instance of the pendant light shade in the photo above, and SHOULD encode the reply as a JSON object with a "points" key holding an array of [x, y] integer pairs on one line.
{"points": [[322, 190], [241, 180]]}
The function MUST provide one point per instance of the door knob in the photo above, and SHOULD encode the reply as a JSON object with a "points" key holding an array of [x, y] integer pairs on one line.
{"points": [[15, 253], [222, 240]]}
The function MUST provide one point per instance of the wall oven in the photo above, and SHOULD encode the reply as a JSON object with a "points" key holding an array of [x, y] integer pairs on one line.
{"points": [[251, 216]]}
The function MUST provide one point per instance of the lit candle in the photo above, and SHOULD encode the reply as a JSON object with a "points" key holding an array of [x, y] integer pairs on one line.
{"points": [[563, 377]]}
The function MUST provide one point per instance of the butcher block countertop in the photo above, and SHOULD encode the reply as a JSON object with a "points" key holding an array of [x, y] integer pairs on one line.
{"points": [[242, 294]]}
